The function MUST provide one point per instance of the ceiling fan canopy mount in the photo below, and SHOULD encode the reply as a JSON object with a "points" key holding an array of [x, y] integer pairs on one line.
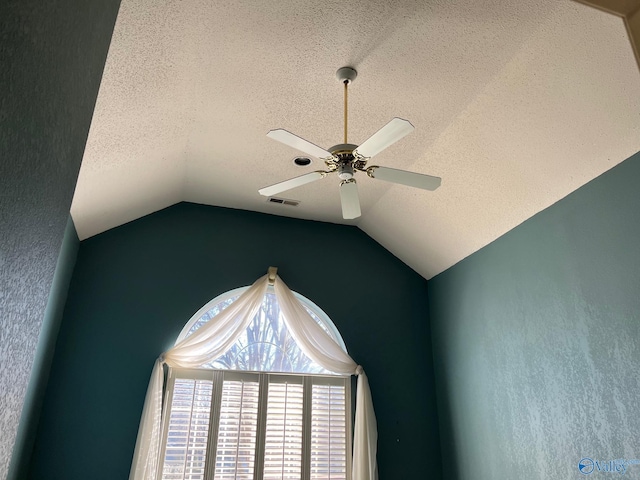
{"points": [[346, 74], [346, 158]]}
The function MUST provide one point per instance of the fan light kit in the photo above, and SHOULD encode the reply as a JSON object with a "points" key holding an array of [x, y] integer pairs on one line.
{"points": [[346, 159]]}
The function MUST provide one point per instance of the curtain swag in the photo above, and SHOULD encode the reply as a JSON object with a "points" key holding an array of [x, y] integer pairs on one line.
{"points": [[215, 337]]}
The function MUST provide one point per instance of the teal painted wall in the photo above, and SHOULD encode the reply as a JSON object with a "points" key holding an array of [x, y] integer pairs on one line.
{"points": [[134, 288], [34, 398], [51, 58], [537, 341]]}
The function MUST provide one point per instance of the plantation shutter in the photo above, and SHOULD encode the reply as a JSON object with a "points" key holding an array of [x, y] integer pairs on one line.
{"points": [[187, 430], [328, 431], [237, 429], [284, 428], [275, 427]]}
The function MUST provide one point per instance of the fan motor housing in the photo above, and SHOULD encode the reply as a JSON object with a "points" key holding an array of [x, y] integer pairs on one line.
{"points": [[344, 151]]}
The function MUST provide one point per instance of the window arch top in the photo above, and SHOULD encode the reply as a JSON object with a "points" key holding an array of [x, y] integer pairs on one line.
{"points": [[266, 345]]}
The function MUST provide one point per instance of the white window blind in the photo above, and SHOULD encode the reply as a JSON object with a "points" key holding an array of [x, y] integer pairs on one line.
{"points": [[225, 425]]}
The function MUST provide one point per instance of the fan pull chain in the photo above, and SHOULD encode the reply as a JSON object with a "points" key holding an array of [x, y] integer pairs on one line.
{"points": [[346, 83]]}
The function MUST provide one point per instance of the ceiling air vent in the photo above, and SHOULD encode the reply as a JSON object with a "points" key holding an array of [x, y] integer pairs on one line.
{"points": [[284, 201]]}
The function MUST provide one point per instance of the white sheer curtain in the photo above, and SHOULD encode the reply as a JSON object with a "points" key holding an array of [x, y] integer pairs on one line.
{"points": [[216, 336], [322, 349]]}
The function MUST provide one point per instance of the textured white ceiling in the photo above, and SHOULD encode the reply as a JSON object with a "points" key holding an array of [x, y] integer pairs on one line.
{"points": [[515, 103]]}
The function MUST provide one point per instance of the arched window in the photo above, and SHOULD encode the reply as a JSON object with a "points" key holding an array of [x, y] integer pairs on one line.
{"points": [[262, 410], [266, 345]]}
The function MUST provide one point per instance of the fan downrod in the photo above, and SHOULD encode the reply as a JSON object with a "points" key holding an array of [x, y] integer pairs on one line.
{"points": [[346, 75]]}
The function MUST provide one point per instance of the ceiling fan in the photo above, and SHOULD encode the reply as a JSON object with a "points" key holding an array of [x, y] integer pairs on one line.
{"points": [[346, 159]]}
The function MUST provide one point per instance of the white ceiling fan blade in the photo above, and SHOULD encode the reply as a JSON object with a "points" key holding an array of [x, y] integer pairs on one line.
{"points": [[292, 183], [393, 131], [298, 143], [349, 199], [418, 180]]}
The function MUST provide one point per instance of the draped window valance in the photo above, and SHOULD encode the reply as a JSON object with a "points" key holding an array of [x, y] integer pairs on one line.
{"points": [[217, 336]]}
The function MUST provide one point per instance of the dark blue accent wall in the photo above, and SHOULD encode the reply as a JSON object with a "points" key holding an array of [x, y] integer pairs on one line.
{"points": [[537, 341], [134, 288]]}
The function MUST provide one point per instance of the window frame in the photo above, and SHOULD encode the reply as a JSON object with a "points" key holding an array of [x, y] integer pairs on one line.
{"points": [[264, 378]]}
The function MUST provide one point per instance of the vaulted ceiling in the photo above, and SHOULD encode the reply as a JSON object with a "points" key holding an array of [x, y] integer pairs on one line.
{"points": [[515, 105]]}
